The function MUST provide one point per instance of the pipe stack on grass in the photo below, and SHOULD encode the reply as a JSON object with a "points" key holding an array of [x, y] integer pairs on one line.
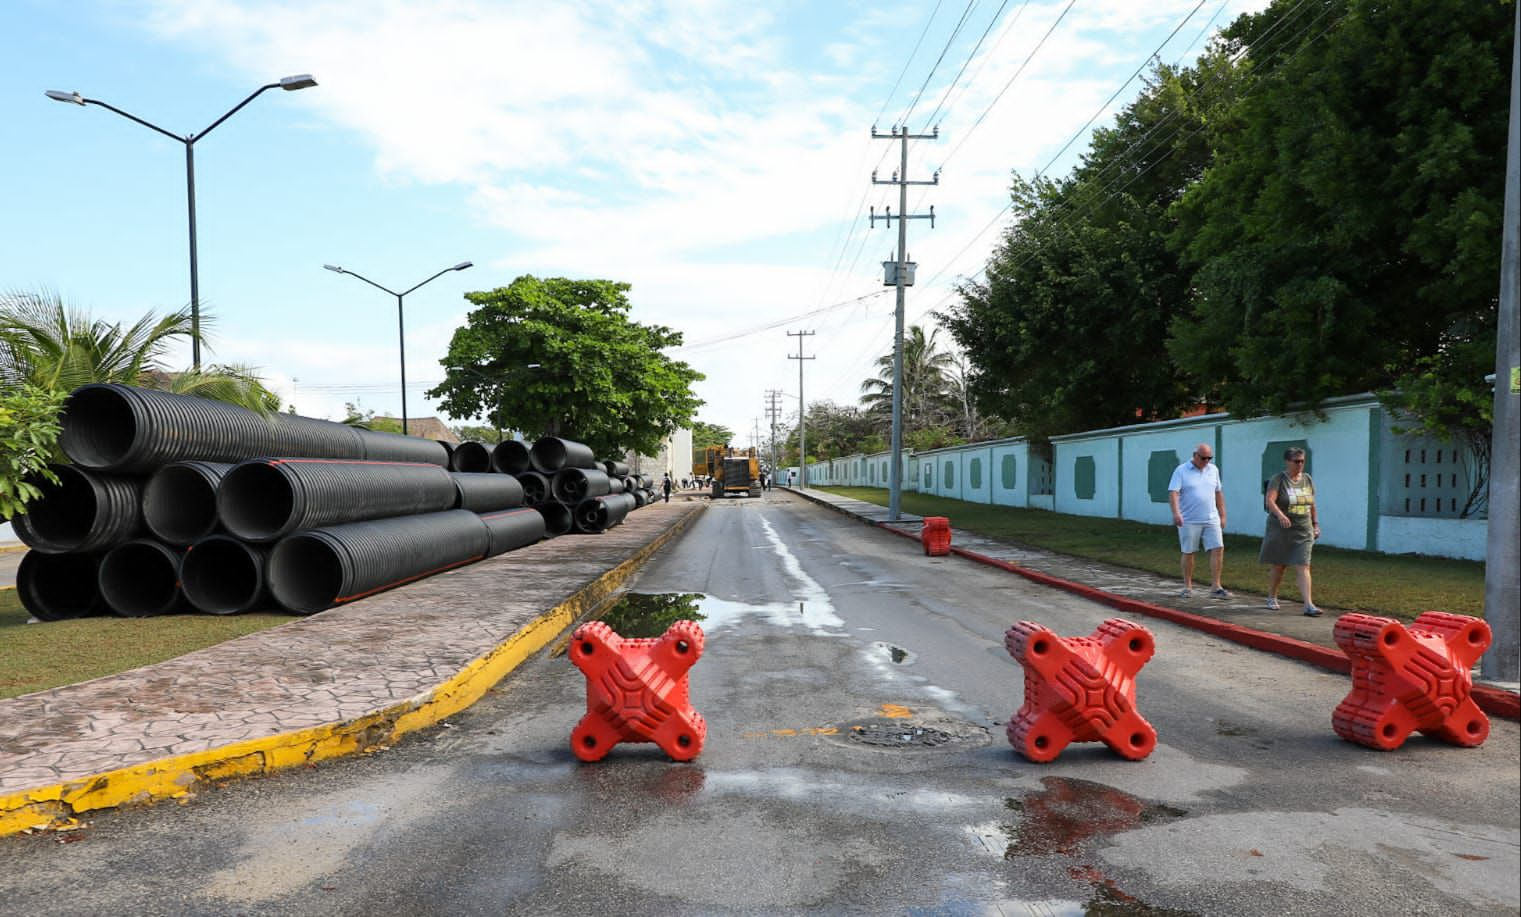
{"points": [[173, 502]]}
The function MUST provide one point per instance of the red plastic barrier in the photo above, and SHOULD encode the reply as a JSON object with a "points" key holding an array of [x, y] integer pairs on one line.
{"points": [[936, 536], [1405, 680], [636, 691], [1080, 689]]}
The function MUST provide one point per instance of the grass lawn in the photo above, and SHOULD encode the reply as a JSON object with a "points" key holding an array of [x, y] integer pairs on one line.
{"points": [[34, 657], [1394, 585]]}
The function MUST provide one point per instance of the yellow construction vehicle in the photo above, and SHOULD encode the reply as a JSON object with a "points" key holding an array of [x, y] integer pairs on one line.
{"points": [[732, 472]]}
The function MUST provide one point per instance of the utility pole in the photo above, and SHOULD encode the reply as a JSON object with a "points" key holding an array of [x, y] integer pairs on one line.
{"points": [[802, 407], [1502, 567], [773, 410], [900, 178]]}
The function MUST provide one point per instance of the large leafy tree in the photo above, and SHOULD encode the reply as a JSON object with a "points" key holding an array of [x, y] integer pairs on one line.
{"points": [[1346, 236], [1068, 330], [836, 430], [710, 434], [561, 357]]}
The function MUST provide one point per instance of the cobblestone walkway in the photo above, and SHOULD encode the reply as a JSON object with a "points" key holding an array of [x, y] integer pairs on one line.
{"points": [[332, 667]]}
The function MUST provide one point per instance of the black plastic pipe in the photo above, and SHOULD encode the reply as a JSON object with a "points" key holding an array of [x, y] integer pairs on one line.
{"points": [[265, 499], [483, 493], [180, 501], [615, 469], [572, 485], [472, 457], [58, 587], [510, 457], [314, 570], [512, 529], [551, 453], [641, 498], [125, 429], [535, 487], [558, 518], [142, 578], [221, 575], [598, 514], [615, 485], [84, 511]]}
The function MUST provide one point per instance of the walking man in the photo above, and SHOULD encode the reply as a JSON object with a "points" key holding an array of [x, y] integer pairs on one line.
{"points": [[1198, 510], [666, 484]]}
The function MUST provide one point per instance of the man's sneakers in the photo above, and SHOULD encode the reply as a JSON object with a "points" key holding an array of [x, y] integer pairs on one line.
{"points": [[1219, 592], [1272, 603], [1185, 593], [1310, 611]]}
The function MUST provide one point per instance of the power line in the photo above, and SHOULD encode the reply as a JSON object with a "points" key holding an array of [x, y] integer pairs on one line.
{"points": [[931, 75], [930, 119]]}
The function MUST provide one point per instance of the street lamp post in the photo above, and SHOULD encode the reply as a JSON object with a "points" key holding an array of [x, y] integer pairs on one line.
{"points": [[401, 329], [289, 83]]}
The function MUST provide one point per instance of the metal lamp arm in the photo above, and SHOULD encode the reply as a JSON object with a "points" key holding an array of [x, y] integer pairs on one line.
{"points": [[253, 95], [131, 117], [430, 279], [373, 283]]}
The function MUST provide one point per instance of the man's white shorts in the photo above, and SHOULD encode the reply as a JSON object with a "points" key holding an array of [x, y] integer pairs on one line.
{"points": [[1191, 533]]}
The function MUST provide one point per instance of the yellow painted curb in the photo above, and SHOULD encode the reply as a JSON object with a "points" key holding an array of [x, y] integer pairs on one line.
{"points": [[173, 777]]}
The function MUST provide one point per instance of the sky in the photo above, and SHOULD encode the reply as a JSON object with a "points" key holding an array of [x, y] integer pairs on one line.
{"points": [[716, 155]]}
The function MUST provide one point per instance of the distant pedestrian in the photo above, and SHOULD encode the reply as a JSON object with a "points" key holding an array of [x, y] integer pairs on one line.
{"points": [[1198, 510], [1293, 524], [791, 475], [666, 484]]}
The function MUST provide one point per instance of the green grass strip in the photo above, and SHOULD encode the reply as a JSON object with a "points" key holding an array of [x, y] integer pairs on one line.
{"points": [[35, 657], [1393, 585]]}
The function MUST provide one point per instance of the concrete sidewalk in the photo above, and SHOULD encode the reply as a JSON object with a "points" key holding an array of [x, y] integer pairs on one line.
{"points": [[1242, 618], [339, 682]]}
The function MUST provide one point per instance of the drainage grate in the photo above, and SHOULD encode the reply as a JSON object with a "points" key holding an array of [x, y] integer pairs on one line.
{"points": [[897, 734]]}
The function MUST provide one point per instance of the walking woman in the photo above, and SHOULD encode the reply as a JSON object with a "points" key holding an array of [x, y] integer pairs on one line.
{"points": [[1293, 524]]}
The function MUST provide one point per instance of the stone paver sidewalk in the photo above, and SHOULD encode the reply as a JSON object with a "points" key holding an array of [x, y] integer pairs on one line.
{"points": [[332, 668]]}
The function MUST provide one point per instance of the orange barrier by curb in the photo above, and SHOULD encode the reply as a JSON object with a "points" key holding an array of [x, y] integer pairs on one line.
{"points": [[636, 690]]}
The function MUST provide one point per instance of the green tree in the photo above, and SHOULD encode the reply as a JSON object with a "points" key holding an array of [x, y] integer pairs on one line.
{"points": [[925, 385], [1345, 236], [476, 433], [835, 430], [561, 357], [1068, 330], [355, 414], [47, 344], [29, 431], [710, 434]]}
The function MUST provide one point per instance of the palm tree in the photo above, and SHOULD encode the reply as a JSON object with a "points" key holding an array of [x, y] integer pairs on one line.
{"points": [[924, 379], [49, 345]]}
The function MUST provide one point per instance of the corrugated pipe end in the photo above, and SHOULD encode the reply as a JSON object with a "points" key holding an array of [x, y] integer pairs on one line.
{"points": [[510, 457], [551, 453], [100, 425], [180, 501], [257, 501], [58, 587], [472, 457], [223, 576], [306, 573], [84, 511], [535, 487], [141, 578], [557, 518]]}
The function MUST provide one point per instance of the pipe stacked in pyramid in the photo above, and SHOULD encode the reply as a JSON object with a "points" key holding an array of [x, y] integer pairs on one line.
{"points": [[173, 503]]}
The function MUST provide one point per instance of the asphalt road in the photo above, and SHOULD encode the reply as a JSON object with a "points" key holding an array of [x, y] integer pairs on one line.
{"points": [[815, 625]]}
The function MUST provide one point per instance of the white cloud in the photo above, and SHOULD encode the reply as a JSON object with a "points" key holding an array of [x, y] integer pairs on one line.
{"points": [[650, 142]]}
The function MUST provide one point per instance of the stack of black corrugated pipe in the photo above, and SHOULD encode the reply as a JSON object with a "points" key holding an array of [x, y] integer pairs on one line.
{"points": [[563, 480], [175, 503]]}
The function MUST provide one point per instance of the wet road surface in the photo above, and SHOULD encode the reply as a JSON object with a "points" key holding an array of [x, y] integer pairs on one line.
{"points": [[855, 693]]}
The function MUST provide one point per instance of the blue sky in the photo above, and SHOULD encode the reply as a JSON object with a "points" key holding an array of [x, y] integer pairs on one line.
{"points": [[714, 154]]}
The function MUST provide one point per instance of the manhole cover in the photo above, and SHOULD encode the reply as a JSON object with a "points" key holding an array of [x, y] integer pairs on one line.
{"points": [[897, 735]]}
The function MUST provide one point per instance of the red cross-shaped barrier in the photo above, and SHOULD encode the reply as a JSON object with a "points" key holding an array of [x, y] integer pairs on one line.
{"points": [[1408, 679], [936, 536], [1080, 689], [636, 690]]}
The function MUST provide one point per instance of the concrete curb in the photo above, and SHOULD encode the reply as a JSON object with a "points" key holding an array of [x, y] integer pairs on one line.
{"points": [[175, 777], [1494, 701]]}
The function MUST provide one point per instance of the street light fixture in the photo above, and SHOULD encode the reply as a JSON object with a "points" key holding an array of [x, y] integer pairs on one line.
{"points": [[401, 331], [289, 84]]}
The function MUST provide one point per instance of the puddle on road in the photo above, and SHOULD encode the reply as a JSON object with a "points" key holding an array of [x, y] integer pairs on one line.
{"points": [[648, 614], [1069, 812], [897, 654]]}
